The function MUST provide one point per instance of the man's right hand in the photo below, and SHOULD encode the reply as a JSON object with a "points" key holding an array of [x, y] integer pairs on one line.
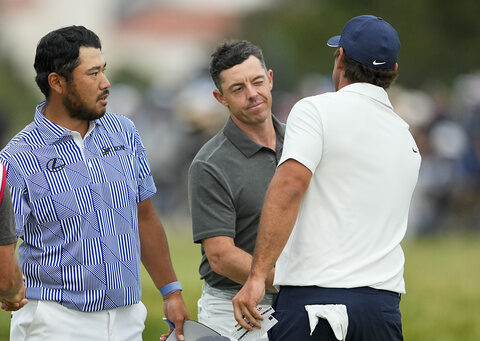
{"points": [[16, 301], [246, 301]]}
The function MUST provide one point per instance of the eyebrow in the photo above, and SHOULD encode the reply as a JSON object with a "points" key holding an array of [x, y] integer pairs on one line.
{"points": [[95, 68], [235, 84], [241, 83], [257, 77]]}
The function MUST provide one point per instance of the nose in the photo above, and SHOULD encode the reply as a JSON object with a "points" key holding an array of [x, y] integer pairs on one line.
{"points": [[250, 91], [104, 83]]}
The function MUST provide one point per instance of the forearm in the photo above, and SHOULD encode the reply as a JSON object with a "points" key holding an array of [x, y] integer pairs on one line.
{"points": [[233, 263], [279, 213], [11, 279], [236, 266], [154, 246], [230, 261], [276, 225]]}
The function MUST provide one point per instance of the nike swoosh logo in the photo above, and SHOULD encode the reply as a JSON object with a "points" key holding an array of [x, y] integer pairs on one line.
{"points": [[414, 150], [378, 63]]}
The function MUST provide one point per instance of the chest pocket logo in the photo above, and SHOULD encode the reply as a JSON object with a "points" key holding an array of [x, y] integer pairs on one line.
{"points": [[107, 150], [56, 164]]}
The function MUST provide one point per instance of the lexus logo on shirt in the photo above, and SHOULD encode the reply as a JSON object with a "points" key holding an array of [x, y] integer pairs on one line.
{"points": [[56, 164]]}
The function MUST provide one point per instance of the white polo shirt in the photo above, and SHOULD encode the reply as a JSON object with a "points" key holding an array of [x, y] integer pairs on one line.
{"points": [[354, 214]]}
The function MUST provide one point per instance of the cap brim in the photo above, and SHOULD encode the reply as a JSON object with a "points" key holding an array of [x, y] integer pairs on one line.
{"points": [[334, 41]]}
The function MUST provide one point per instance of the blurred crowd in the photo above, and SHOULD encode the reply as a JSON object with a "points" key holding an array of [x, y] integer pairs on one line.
{"points": [[446, 126], [445, 122]]}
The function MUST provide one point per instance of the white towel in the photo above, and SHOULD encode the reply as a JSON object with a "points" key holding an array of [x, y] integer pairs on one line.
{"points": [[335, 314]]}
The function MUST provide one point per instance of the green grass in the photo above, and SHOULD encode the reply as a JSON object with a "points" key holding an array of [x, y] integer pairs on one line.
{"points": [[186, 258], [443, 289], [442, 277]]}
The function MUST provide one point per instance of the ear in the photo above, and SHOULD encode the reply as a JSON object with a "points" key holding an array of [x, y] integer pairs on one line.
{"points": [[219, 97], [339, 61], [270, 78], [57, 83], [395, 67]]}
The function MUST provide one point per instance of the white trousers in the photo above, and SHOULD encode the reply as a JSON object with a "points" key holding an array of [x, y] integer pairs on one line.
{"points": [[48, 320], [217, 313]]}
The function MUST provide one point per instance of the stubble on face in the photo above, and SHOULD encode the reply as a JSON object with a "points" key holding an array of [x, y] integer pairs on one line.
{"points": [[76, 107], [247, 91]]}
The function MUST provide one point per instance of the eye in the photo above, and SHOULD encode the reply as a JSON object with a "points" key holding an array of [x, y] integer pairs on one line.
{"points": [[237, 89]]}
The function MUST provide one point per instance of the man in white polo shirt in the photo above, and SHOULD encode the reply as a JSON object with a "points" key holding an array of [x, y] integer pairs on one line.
{"points": [[338, 203]]}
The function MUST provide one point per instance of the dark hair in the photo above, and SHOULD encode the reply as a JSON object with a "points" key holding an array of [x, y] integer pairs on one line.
{"points": [[356, 72], [230, 54], [58, 52]]}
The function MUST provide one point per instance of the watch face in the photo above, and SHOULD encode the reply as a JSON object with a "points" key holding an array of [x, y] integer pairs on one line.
{"points": [[195, 331]]}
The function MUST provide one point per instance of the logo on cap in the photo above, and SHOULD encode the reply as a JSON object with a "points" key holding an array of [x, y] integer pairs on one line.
{"points": [[366, 38]]}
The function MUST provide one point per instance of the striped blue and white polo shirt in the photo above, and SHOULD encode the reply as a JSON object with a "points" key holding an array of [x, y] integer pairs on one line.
{"points": [[75, 203]]}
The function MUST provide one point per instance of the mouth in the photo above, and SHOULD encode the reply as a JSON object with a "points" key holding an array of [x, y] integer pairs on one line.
{"points": [[254, 105], [103, 98]]}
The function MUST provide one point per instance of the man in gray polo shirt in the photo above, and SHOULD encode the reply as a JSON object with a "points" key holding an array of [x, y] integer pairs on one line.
{"points": [[229, 177]]}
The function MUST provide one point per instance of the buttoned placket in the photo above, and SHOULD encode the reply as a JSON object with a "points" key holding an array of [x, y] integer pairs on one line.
{"points": [[80, 142]]}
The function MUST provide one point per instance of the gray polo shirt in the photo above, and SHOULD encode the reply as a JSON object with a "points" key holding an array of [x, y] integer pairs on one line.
{"points": [[227, 182], [7, 222]]}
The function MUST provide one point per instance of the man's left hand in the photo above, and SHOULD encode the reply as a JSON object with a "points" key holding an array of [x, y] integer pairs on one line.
{"points": [[15, 302], [175, 310]]}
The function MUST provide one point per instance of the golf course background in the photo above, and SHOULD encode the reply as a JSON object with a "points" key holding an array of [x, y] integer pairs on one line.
{"points": [[442, 276]]}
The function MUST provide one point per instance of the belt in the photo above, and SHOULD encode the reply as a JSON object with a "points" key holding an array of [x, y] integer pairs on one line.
{"points": [[229, 294]]}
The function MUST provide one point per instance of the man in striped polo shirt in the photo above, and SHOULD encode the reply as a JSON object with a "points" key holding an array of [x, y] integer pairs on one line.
{"points": [[81, 188]]}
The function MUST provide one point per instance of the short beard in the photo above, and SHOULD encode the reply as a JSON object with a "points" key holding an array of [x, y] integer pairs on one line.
{"points": [[76, 108]]}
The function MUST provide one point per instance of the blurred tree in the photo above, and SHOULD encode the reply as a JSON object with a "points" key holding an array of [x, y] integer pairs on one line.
{"points": [[439, 37], [17, 101], [127, 75]]}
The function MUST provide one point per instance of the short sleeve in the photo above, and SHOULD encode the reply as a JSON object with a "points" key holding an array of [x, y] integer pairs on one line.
{"points": [[146, 185], [211, 203], [304, 135]]}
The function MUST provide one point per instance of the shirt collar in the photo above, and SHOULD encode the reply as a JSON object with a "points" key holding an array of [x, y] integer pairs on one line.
{"points": [[50, 131], [247, 146], [375, 92]]}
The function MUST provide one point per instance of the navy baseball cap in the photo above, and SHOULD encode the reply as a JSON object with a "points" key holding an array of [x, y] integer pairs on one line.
{"points": [[369, 40]]}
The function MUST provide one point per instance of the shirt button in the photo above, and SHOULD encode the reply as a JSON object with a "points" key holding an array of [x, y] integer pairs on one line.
{"points": [[90, 164]]}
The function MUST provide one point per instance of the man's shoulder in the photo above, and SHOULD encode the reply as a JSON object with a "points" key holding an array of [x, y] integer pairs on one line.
{"points": [[116, 122], [317, 104], [215, 148], [326, 96]]}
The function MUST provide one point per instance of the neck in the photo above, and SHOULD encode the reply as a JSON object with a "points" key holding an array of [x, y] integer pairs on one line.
{"points": [[263, 133], [343, 82], [56, 112]]}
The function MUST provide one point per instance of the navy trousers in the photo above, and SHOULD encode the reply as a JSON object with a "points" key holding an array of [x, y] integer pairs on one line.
{"points": [[373, 315]]}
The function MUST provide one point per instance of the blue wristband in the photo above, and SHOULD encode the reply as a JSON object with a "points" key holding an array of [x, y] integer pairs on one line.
{"points": [[170, 287]]}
